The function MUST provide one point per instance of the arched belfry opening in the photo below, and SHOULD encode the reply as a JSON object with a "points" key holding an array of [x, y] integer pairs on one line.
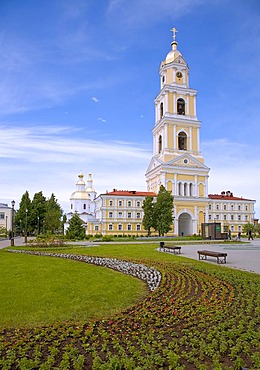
{"points": [[182, 141], [161, 110], [181, 106], [160, 144]]}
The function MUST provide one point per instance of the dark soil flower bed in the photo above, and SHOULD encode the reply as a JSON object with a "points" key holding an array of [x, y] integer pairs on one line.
{"points": [[198, 318]]}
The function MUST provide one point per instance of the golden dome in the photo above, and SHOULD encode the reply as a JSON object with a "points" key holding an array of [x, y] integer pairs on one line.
{"points": [[80, 180], [173, 54], [79, 194]]}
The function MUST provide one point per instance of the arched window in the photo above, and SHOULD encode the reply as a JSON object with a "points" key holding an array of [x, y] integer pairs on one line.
{"points": [[181, 106], [182, 141], [179, 189], [160, 143], [185, 189], [161, 110], [191, 192]]}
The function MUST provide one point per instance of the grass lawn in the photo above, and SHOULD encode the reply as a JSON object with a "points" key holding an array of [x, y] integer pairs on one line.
{"points": [[202, 316], [40, 291]]}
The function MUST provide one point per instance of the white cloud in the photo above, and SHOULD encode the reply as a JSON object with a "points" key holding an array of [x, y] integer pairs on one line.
{"points": [[50, 159], [102, 119], [234, 167], [95, 99]]}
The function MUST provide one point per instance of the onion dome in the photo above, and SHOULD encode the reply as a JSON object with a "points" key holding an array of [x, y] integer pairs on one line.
{"points": [[89, 188], [174, 53], [80, 193]]}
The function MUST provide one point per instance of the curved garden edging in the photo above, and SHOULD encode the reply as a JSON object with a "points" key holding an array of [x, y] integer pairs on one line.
{"points": [[149, 275]]}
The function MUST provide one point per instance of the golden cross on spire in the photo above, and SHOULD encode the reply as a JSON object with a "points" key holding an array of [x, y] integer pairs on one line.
{"points": [[174, 30]]}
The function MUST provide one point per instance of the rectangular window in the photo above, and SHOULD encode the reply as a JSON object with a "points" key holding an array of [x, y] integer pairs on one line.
{"points": [[129, 215], [138, 227], [129, 203], [110, 227], [120, 227], [2, 215], [209, 217], [225, 217], [225, 207], [138, 215], [110, 202], [209, 206], [239, 217], [110, 214], [120, 203], [232, 217], [96, 228], [138, 204], [129, 227], [217, 217], [120, 214]]}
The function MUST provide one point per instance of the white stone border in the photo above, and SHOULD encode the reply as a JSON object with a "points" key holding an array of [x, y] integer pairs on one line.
{"points": [[149, 275]]}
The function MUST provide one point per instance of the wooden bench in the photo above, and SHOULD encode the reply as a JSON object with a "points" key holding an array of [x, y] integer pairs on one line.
{"points": [[170, 248], [221, 257]]}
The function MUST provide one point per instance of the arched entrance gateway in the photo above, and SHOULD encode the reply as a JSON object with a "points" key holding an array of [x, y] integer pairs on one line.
{"points": [[185, 224]]}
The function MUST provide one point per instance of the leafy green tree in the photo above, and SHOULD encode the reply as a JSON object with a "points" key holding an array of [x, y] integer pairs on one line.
{"points": [[163, 211], [257, 229], [53, 214], [22, 218], [248, 227], [76, 229], [38, 211], [64, 220], [3, 231], [148, 219]]}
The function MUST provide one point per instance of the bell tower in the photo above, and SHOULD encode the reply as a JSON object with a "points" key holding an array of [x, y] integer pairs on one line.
{"points": [[177, 162]]}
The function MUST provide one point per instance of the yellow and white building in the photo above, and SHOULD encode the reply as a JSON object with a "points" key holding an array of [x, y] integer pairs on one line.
{"points": [[177, 164]]}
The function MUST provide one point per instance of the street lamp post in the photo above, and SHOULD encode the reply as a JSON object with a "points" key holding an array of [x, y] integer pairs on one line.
{"points": [[6, 223], [38, 225], [12, 224], [25, 235]]}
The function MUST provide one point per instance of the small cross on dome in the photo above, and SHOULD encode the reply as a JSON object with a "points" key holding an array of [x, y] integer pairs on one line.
{"points": [[174, 31]]}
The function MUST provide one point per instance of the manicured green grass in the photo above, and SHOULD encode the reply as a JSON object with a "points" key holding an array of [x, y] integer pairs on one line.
{"points": [[202, 316], [38, 290]]}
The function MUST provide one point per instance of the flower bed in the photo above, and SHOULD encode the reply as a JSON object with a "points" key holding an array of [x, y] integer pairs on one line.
{"points": [[198, 318]]}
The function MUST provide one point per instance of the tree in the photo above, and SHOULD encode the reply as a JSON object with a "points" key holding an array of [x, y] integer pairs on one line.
{"points": [[148, 219], [248, 227], [163, 210], [22, 220], [38, 210], [76, 229], [257, 229], [53, 214]]}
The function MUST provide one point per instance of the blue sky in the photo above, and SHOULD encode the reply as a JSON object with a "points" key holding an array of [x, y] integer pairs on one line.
{"points": [[79, 78]]}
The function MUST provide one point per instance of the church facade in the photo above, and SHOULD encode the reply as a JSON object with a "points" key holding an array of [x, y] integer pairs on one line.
{"points": [[177, 164]]}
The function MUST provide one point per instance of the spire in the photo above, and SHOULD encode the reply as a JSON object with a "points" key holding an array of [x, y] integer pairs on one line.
{"points": [[174, 52], [174, 42]]}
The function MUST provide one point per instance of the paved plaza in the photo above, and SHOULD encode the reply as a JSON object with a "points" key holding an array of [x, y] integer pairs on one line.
{"points": [[242, 256]]}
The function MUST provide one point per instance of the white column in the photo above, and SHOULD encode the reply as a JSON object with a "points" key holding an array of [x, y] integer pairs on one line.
{"points": [[194, 107], [196, 186], [174, 138], [198, 140], [190, 129]]}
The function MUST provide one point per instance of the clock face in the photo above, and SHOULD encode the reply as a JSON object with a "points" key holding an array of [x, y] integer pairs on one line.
{"points": [[179, 74]]}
